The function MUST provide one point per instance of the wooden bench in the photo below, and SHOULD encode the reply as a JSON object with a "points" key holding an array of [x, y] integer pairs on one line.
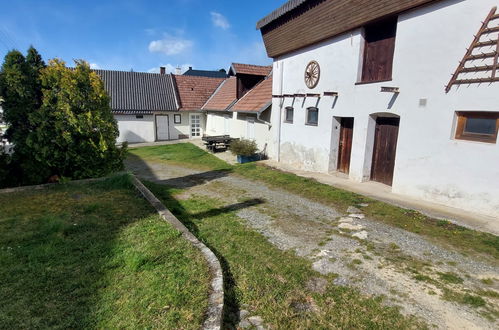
{"points": [[217, 143]]}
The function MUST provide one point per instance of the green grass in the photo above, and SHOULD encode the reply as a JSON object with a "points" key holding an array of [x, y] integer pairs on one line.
{"points": [[461, 239], [450, 278], [272, 283], [464, 298], [95, 256], [181, 154]]}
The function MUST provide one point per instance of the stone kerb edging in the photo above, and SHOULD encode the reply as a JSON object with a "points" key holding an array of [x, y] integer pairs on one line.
{"points": [[216, 299]]}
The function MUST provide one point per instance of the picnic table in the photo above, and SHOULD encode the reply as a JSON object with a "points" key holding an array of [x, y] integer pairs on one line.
{"points": [[217, 143]]}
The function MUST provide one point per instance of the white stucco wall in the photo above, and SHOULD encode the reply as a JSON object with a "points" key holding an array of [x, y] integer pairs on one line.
{"points": [[184, 128], [237, 125], [430, 163], [215, 123], [134, 130]]}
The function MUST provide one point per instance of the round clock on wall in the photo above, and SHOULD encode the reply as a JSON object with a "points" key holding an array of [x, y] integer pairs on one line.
{"points": [[312, 74]]}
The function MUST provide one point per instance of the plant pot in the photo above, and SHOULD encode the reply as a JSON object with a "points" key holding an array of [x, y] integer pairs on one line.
{"points": [[247, 159]]}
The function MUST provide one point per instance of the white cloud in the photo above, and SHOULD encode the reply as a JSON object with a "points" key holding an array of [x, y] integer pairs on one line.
{"points": [[94, 66], [219, 20], [171, 68], [170, 45]]}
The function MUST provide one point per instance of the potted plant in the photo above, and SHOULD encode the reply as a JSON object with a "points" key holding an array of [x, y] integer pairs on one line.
{"points": [[245, 150]]}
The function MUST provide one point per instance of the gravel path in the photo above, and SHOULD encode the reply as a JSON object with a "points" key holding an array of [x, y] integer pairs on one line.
{"points": [[374, 257]]}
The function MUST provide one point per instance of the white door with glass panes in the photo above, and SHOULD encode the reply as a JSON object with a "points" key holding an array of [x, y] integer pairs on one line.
{"points": [[195, 125]]}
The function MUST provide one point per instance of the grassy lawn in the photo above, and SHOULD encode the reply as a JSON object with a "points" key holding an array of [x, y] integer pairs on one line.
{"points": [[459, 238], [95, 255], [272, 283]]}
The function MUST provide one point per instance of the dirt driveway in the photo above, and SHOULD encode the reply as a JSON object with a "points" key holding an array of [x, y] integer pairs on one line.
{"points": [[445, 288]]}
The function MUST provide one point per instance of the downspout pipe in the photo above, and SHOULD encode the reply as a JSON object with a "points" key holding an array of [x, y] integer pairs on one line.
{"points": [[281, 103]]}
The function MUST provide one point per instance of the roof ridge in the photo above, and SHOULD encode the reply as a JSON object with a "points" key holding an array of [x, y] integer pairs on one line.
{"points": [[196, 77], [264, 66], [137, 72]]}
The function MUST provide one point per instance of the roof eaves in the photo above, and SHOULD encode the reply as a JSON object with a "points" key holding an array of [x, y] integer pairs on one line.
{"points": [[265, 107], [176, 92], [284, 9]]}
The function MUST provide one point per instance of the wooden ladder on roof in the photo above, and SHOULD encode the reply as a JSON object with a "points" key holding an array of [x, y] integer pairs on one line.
{"points": [[470, 55]]}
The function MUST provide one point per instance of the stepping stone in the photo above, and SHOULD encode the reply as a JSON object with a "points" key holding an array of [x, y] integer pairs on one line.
{"points": [[346, 219], [255, 320], [323, 253], [350, 226], [242, 314], [353, 209], [244, 324], [357, 215], [361, 235], [324, 266]]}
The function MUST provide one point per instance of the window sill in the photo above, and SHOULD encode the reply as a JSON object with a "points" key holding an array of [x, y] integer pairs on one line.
{"points": [[372, 82], [311, 124], [476, 139], [287, 122]]}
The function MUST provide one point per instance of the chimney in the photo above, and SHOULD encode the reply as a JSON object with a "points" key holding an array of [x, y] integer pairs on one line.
{"points": [[178, 70], [162, 70]]}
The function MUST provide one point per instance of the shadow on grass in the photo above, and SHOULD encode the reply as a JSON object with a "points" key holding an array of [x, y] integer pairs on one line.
{"points": [[163, 190], [57, 247], [135, 164], [231, 302]]}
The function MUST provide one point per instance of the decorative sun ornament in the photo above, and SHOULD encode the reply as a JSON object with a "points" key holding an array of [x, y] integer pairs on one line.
{"points": [[312, 74]]}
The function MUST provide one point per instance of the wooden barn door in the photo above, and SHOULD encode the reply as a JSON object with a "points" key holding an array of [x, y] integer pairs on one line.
{"points": [[385, 148], [345, 147]]}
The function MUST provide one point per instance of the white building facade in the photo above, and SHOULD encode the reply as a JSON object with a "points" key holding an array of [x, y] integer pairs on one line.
{"points": [[402, 127]]}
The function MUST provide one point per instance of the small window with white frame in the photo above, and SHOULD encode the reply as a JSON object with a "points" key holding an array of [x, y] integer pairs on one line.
{"points": [[177, 119], [312, 116], [288, 115]]}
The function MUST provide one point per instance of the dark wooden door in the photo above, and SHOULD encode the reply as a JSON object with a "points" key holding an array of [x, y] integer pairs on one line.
{"points": [[345, 148], [385, 148]]}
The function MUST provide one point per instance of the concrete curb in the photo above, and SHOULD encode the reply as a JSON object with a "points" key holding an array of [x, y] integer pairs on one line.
{"points": [[216, 299]]}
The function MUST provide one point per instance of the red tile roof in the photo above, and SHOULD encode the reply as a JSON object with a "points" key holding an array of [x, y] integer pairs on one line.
{"points": [[224, 96], [258, 98], [258, 70], [194, 91]]}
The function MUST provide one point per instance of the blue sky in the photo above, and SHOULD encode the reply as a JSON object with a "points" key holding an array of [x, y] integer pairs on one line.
{"points": [[138, 35]]}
